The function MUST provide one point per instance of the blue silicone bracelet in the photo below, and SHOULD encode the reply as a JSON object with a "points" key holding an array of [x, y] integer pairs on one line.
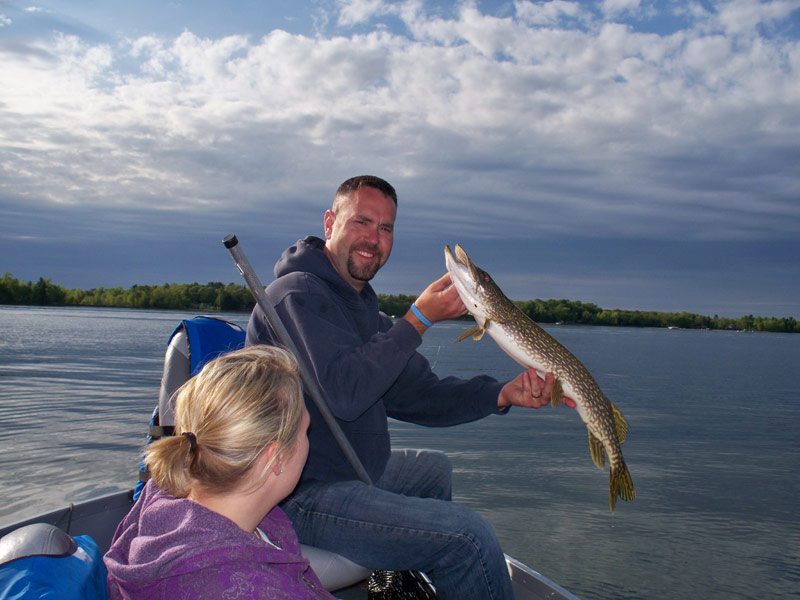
{"points": [[420, 316]]}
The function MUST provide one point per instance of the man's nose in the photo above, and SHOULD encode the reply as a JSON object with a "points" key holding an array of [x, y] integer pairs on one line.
{"points": [[372, 235]]}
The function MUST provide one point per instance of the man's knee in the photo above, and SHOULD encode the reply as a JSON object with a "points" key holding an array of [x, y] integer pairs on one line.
{"points": [[477, 527]]}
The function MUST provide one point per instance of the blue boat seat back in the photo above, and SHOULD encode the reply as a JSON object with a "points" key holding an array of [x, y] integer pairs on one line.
{"points": [[208, 338], [42, 561], [193, 343]]}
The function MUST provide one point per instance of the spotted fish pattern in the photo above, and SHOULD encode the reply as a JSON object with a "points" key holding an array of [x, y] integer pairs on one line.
{"points": [[532, 346]]}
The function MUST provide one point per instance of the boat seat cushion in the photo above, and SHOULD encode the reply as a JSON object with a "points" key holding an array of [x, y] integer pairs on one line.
{"points": [[38, 539], [334, 570], [42, 561]]}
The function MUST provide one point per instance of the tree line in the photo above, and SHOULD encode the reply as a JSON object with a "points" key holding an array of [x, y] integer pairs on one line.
{"points": [[213, 296], [230, 297]]}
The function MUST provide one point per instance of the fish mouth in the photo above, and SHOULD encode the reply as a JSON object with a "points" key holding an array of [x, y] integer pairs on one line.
{"points": [[461, 262], [462, 256], [460, 259]]}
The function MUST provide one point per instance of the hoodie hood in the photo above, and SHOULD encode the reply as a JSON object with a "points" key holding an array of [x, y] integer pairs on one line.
{"points": [[163, 538], [308, 256]]}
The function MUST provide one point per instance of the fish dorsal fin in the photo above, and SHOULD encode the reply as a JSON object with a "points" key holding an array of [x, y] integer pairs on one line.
{"points": [[557, 397], [597, 451], [620, 425]]}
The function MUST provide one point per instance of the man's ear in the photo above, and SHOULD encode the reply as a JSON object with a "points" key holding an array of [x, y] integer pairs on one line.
{"points": [[327, 222]]}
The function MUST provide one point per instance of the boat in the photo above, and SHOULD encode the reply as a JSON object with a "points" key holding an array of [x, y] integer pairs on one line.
{"points": [[193, 343], [99, 518]]}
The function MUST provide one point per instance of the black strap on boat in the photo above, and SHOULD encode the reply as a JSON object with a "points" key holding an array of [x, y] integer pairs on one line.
{"points": [[309, 382]]}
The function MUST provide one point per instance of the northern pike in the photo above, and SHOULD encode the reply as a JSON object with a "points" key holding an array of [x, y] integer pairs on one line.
{"points": [[531, 346]]}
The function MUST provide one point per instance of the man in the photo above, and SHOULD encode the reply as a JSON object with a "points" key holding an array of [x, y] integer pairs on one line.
{"points": [[368, 369]]}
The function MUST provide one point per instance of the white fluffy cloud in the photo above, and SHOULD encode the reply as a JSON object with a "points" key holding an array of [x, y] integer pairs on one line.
{"points": [[353, 12], [614, 7], [559, 119]]}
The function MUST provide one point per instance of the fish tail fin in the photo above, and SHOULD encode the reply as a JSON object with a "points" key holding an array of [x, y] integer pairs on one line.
{"points": [[620, 484], [597, 451], [620, 424], [557, 397]]}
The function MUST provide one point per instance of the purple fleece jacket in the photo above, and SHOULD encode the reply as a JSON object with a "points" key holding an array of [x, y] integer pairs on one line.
{"points": [[173, 548]]}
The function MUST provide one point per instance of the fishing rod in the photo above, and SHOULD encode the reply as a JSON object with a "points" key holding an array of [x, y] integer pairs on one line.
{"points": [[309, 381]]}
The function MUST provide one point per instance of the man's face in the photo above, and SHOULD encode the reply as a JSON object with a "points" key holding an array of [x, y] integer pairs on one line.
{"points": [[360, 235]]}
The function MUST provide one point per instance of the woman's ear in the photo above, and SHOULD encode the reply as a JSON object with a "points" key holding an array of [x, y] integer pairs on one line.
{"points": [[270, 459]]}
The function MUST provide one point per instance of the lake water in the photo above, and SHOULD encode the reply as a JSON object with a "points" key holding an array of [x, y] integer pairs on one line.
{"points": [[714, 448]]}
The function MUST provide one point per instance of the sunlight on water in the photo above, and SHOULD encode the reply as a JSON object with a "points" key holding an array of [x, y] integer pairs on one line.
{"points": [[713, 446]]}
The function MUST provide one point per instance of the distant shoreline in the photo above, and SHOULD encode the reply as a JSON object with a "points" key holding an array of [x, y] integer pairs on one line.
{"points": [[221, 297]]}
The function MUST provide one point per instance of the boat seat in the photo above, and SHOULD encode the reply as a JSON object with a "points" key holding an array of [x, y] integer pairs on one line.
{"points": [[38, 539], [334, 570], [42, 561]]}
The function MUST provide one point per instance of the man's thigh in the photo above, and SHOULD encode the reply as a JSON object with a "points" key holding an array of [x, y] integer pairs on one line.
{"points": [[381, 529], [421, 473]]}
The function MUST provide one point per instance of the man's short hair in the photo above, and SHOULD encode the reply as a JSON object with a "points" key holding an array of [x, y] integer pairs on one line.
{"points": [[355, 183]]}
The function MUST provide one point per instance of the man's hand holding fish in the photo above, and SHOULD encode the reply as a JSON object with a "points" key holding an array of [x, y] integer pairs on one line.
{"points": [[530, 391], [438, 302]]}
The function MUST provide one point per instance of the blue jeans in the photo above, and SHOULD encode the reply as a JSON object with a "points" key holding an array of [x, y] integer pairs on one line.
{"points": [[405, 521]]}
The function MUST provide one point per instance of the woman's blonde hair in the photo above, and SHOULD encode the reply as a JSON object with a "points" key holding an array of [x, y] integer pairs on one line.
{"points": [[224, 418]]}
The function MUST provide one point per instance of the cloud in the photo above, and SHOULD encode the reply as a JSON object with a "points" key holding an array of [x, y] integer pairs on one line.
{"points": [[5, 21], [549, 13], [353, 12], [616, 7], [547, 121], [746, 16]]}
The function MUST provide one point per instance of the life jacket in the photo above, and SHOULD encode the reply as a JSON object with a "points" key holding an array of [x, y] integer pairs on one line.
{"points": [[42, 561], [193, 343]]}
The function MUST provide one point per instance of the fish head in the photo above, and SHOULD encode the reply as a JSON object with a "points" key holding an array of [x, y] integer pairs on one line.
{"points": [[474, 285]]}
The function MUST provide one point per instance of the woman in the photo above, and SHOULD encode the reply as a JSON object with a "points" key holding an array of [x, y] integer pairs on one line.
{"points": [[207, 524]]}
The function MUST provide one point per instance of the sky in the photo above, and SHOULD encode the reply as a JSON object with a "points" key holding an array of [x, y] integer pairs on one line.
{"points": [[633, 154]]}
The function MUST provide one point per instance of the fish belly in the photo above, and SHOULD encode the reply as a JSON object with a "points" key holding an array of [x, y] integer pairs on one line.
{"points": [[526, 359]]}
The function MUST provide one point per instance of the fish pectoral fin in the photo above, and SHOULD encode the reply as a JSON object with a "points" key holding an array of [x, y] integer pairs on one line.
{"points": [[620, 485], [620, 425], [475, 332], [597, 451], [557, 397]]}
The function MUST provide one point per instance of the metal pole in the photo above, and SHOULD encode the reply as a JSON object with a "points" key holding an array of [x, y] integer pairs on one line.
{"points": [[309, 382]]}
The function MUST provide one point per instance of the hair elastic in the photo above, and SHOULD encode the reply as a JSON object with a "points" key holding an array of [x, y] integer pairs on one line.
{"points": [[192, 439], [418, 313]]}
